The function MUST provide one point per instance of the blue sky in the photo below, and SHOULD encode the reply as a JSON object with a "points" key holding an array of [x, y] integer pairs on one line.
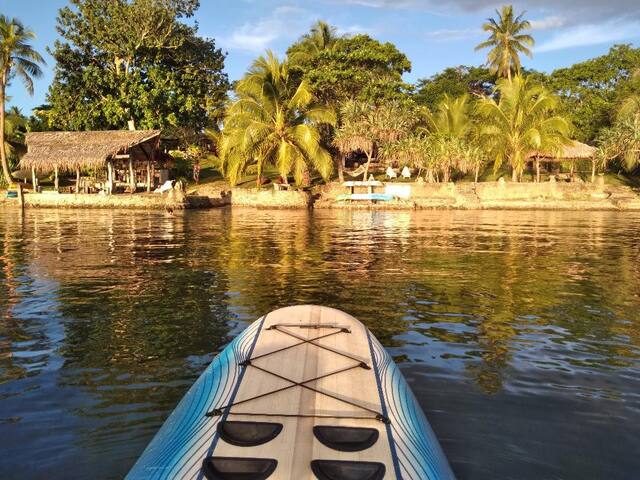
{"points": [[432, 33]]}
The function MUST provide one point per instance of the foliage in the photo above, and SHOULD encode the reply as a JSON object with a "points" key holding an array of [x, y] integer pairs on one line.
{"points": [[591, 90], [522, 121], [369, 129], [275, 121], [122, 60], [353, 68], [621, 142], [17, 59], [322, 37], [15, 126], [507, 41], [454, 81]]}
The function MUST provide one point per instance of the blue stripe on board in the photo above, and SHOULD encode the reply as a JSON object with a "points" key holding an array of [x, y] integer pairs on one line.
{"points": [[216, 437], [392, 445]]}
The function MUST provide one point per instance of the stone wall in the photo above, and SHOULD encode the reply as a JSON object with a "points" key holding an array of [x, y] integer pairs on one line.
{"points": [[498, 195], [269, 198]]}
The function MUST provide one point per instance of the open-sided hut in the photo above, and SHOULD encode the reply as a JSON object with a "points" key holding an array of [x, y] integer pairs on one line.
{"points": [[129, 156], [571, 152]]}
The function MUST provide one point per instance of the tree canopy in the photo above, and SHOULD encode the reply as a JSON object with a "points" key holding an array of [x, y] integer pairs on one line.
{"points": [[353, 68], [122, 60], [17, 59], [454, 81], [274, 121], [507, 41]]}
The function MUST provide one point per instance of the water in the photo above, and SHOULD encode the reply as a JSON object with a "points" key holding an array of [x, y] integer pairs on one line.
{"points": [[518, 331]]}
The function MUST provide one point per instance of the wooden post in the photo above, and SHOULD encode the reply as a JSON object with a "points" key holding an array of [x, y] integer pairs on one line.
{"points": [[593, 170], [148, 176], [77, 180], [55, 178], [573, 167], [109, 177], [34, 180], [537, 170], [132, 177]]}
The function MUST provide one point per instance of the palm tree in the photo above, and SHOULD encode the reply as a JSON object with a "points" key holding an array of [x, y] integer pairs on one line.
{"points": [[630, 107], [522, 122], [506, 41], [17, 58], [321, 37], [452, 117], [14, 126], [274, 121]]}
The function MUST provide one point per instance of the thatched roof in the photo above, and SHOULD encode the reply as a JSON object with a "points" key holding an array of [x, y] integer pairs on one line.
{"points": [[573, 151], [71, 150]]}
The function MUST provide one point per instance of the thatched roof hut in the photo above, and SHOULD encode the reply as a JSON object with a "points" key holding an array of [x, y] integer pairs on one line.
{"points": [[72, 150], [572, 151]]}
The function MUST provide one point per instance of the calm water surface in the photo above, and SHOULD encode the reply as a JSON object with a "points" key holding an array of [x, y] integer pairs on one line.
{"points": [[518, 331]]}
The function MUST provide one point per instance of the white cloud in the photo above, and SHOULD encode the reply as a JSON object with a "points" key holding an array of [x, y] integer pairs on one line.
{"points": [[285, 21], [592, 34], [547, 23], [453, 34]]}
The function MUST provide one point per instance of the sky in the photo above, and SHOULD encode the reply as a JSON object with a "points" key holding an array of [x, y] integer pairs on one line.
{"points": [[432, 33]]}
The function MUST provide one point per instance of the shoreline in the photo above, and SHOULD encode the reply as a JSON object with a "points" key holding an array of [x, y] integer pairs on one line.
{"points": [[463, 196]]}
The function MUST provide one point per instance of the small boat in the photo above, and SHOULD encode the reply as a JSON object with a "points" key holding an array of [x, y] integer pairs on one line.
{"points": [[304, 392]]}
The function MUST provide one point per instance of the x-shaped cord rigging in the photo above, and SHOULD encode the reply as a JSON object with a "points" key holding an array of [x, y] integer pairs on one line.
{"points": [[360, 363]]}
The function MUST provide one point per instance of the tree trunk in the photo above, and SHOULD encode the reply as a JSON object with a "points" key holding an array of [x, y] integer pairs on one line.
{"points": [[340, 167], [537, 170], [477, 173], [148, 176], [366, 167], [514, 175], [3, 154], [593, 170], [109, 177], [56, 180], [77, 180], [132, 176]]}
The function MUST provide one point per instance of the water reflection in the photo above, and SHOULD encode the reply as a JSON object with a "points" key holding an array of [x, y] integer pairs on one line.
{"points": [[107, 317]]}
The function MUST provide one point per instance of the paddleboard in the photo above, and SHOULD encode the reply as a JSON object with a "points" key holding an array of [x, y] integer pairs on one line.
{"points": [[305, 392]]}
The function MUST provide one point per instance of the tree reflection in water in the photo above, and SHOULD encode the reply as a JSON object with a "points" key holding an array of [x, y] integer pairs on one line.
{"points": [[106, 318]]}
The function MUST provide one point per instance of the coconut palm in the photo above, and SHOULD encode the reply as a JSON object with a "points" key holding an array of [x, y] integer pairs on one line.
{"points": [[321, 37], [452, 117], [274, 121], [522, 122], [17, 59], [14, 126], [506, 41]]}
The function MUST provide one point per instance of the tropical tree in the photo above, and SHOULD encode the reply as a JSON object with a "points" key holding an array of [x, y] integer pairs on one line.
{"points": [[621, 142], [593, 91], [320, 38], [17, 59], [522, 121], [452, 117], [454, 81], [507, 41], [353, 68], [139, 60], [369, 128], [274, 121], [15, 125]]}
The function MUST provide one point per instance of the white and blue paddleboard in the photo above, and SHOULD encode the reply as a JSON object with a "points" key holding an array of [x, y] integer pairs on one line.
{"points": [[305, 392]]}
